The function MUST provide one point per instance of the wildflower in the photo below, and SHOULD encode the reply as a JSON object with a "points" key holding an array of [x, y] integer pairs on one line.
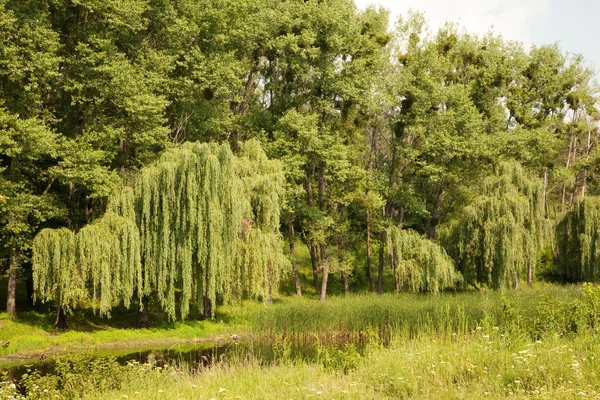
{"points": [[221, 390]]}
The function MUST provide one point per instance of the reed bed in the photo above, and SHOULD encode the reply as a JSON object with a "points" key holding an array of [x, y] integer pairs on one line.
{"points": [[407, 316]]}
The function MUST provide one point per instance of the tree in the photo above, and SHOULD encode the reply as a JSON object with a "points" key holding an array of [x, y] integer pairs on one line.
{"points": [[100, 263], [577, 257], [499, 235], [419, 264], [176, 231]]}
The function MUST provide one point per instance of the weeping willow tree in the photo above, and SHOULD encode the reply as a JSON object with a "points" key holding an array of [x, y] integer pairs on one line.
{"points": [[101, 264], [498, 237], [188, 210], [578, 242], [260, 261], [55, 273], [419, 264], [197, 224]]}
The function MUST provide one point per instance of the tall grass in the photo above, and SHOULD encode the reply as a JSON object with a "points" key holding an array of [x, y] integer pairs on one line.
{"points": [[408, 315], [484, 364]]}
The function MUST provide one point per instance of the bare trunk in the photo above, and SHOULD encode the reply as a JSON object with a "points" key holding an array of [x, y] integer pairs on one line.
{"points": [[345, 283], [142, 319], [369, 266], [61, 319], [324, 282], [516, 281], [292, 238], [587, 155], [381, 262], [564, 191], [312, 249], [530, 275], [207, 307], [325, 264], [11, 301]]}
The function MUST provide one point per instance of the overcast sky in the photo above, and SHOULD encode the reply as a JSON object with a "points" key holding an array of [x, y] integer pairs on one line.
{"points": [[572, 23]]}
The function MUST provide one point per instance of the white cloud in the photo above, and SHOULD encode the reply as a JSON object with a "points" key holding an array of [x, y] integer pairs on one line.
{"points": [[508, 17]]}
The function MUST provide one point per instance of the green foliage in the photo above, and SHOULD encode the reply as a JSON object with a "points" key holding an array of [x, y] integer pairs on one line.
{"points": [[499, 235], [578, 242], [55, 271], [420, 265], [103, 256], [178, 230]]}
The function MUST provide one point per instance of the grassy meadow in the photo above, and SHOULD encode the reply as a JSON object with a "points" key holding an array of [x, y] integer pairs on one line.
{"points": [[531, 343]]}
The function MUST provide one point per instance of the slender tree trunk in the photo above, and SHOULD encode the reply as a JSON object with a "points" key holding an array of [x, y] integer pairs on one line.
{"points": [[11, 300], [345, 283], [587, 156], [530, 275], [142, 319], [516, 281], [312, 249], [369, 266], [292, 238], [61, 319], [324, 281], [207, 307], [564, 191], [381, 263]]}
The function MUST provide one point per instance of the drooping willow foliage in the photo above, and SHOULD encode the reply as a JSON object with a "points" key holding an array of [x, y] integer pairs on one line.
{"points": [[260, 260], [578, 242], [108, 256], [100, 263], [55, 272], [189, 212], [197, 224], [420, 265], [500, 234]]}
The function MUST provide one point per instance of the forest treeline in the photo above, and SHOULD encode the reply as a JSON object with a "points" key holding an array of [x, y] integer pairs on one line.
{"points": [[450, 158]]}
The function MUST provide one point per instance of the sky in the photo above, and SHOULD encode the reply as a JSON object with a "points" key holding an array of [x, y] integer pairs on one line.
{"points": [[574, 24]]}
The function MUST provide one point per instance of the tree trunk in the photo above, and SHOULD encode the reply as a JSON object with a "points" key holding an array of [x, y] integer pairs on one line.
{"points": [[516, 281], [293, 259], [369, 266], [325, 264], [312, 249], [11, 300], [530, 275], [345, 283], [381, 263], [324, 282], [207, 307], [61, 319], [142, 319]]}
